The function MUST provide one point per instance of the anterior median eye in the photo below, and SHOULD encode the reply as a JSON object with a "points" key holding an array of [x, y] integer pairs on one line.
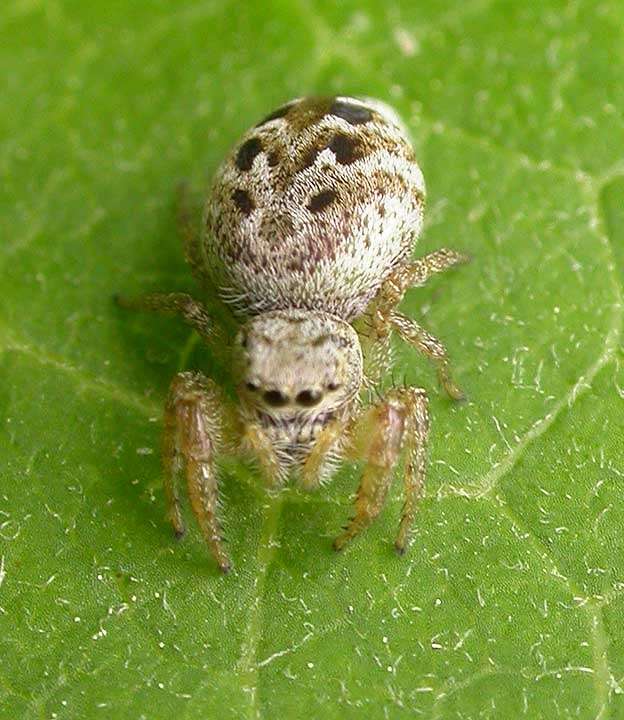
{"points": [[309, 398], [275, 398]]}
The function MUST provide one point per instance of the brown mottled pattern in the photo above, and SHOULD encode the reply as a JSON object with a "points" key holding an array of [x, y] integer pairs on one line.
{"points": [[306, 113], [314, 209]]}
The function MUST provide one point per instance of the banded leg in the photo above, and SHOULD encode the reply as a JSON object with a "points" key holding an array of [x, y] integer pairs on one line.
{"points": [[411, 332], [191, 440], [192, 312], [416, 274], [378, 436], [385, 318], [415, 443]]}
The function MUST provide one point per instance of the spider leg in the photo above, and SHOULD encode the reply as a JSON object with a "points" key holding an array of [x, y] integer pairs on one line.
{"points": [[382, 318], [416, 274], [256, 442], [192, 438], [192, 312], [426, 343], [188, 226], [320, 463], [378, 436], [415, 444]]}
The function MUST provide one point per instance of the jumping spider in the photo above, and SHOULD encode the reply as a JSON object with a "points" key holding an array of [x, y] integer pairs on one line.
{"points": [[306, 236]]}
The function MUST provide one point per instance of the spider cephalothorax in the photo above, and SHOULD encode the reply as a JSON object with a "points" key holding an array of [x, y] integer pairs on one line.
{"points": [[296, 362], [307, 234]]}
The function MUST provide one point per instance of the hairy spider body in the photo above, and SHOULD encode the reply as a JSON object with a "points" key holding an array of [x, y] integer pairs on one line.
{"points": [[313, 209], [306, 235]]}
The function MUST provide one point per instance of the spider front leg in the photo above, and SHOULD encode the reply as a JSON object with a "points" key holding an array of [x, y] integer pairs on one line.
{"points": [[192, 438], [379, 434]]}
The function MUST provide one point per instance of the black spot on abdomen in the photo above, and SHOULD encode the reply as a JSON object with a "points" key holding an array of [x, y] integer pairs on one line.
{"points": [[353, 114], [310, 157], [242, 200], [322, 200], [344, 148], [247, 153]]}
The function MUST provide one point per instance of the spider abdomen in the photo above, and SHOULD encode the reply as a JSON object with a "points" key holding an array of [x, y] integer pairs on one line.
{"points": [[314, 208]]}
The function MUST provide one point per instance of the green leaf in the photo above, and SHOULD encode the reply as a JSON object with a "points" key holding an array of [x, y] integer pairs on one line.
{"points": [[510, 602]]}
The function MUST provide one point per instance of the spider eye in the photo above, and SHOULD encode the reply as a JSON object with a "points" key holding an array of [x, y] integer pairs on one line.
{"points": [[333, 386], [275, 398], [252, 387], [309, 398]]}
